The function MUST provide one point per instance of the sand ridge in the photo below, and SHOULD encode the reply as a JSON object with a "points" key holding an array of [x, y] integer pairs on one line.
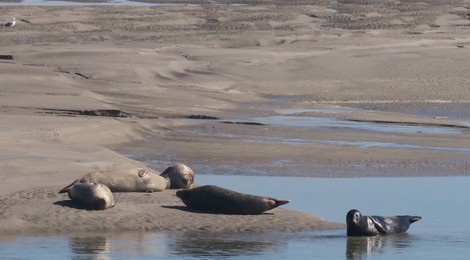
{"points": [[43, 210]]}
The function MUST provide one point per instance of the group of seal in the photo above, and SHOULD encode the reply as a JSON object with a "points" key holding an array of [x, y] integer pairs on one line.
{"points": [[91, 189], [128, 180], [94, 191]]}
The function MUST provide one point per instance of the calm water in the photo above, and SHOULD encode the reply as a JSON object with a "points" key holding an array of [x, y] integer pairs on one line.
{"points": [[443, 233]]}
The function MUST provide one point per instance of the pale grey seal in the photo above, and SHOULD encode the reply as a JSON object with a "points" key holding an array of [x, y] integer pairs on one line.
{"points": [[180, 175], [128, 180], [359, 225], [215, 199], [92, 196]]}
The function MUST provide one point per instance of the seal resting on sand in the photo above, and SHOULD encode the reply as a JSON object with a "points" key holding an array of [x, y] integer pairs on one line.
{"points": [[92, 196], [129, 180], [215, 199], [359, 225], [180, 175]]}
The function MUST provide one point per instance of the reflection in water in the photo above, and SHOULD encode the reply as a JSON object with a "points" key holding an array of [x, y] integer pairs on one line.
{"points": [[366, 247], [445, 233], [103, 245], [90, 247], [222, 245]]}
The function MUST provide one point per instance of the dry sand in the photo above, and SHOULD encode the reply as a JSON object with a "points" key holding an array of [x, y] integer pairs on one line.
{"points": [[88, 82]]}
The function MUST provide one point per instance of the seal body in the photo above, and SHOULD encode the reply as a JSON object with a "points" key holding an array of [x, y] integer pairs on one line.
{"points": [[130, 180], [180, 175], [92, 196], [215, 199], [359, 225]]}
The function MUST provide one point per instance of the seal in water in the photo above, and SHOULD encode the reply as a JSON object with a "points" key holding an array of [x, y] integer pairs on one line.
{"points": [[129, 180], [180, 175], [92, 196], [359, 225], [215, 199]]}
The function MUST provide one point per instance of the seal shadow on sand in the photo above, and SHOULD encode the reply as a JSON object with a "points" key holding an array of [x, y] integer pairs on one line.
{"points": [[186, 209], [71, 204]]}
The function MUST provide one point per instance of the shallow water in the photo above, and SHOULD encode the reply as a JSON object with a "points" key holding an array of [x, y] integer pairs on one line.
{"points": [[324, 123], [285, 119], [443, 233]]}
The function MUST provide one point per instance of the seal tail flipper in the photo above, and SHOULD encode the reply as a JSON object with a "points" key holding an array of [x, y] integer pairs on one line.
{"points": [[68, 188], [280, 202], [415, 218]]}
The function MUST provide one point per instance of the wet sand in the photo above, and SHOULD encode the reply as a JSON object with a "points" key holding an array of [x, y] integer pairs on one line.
{"points": [[89, 85]]}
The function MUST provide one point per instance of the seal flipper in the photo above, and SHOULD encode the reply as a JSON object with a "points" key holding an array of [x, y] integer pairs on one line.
{"points": [[278, 203], [281, 202], [68, 188], [382, 230]]}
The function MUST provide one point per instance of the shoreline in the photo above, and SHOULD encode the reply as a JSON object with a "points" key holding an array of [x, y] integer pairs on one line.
{"points": [[43, 211], [87, 83]]}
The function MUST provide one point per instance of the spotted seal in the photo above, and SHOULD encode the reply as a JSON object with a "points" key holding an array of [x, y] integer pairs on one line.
{"points": [[359, 225], [128, 180], [215, 199], [180, 175], [92, 196]]}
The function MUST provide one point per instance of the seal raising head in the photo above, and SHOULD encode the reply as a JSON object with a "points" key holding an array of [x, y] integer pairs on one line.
{"points": [[215, 199], [359, 225]]}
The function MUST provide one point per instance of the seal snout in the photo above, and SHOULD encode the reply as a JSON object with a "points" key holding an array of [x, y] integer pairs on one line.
{"points": [[415, 218]]}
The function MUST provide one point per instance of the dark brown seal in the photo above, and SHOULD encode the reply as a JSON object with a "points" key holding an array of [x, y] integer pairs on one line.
{"points": [[359, 225], [215, 199], [180, 175]]}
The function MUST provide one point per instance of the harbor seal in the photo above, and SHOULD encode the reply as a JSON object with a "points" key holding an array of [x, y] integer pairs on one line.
{"points": [[359, 225], [215, 199], [180, 175], [92, 196], [128, 180]]}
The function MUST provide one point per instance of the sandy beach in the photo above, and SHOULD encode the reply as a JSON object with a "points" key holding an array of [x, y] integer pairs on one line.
{"points": [[113, 87]]}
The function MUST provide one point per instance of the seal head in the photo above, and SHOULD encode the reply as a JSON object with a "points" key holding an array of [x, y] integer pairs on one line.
{"points": [[180, 176]]}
